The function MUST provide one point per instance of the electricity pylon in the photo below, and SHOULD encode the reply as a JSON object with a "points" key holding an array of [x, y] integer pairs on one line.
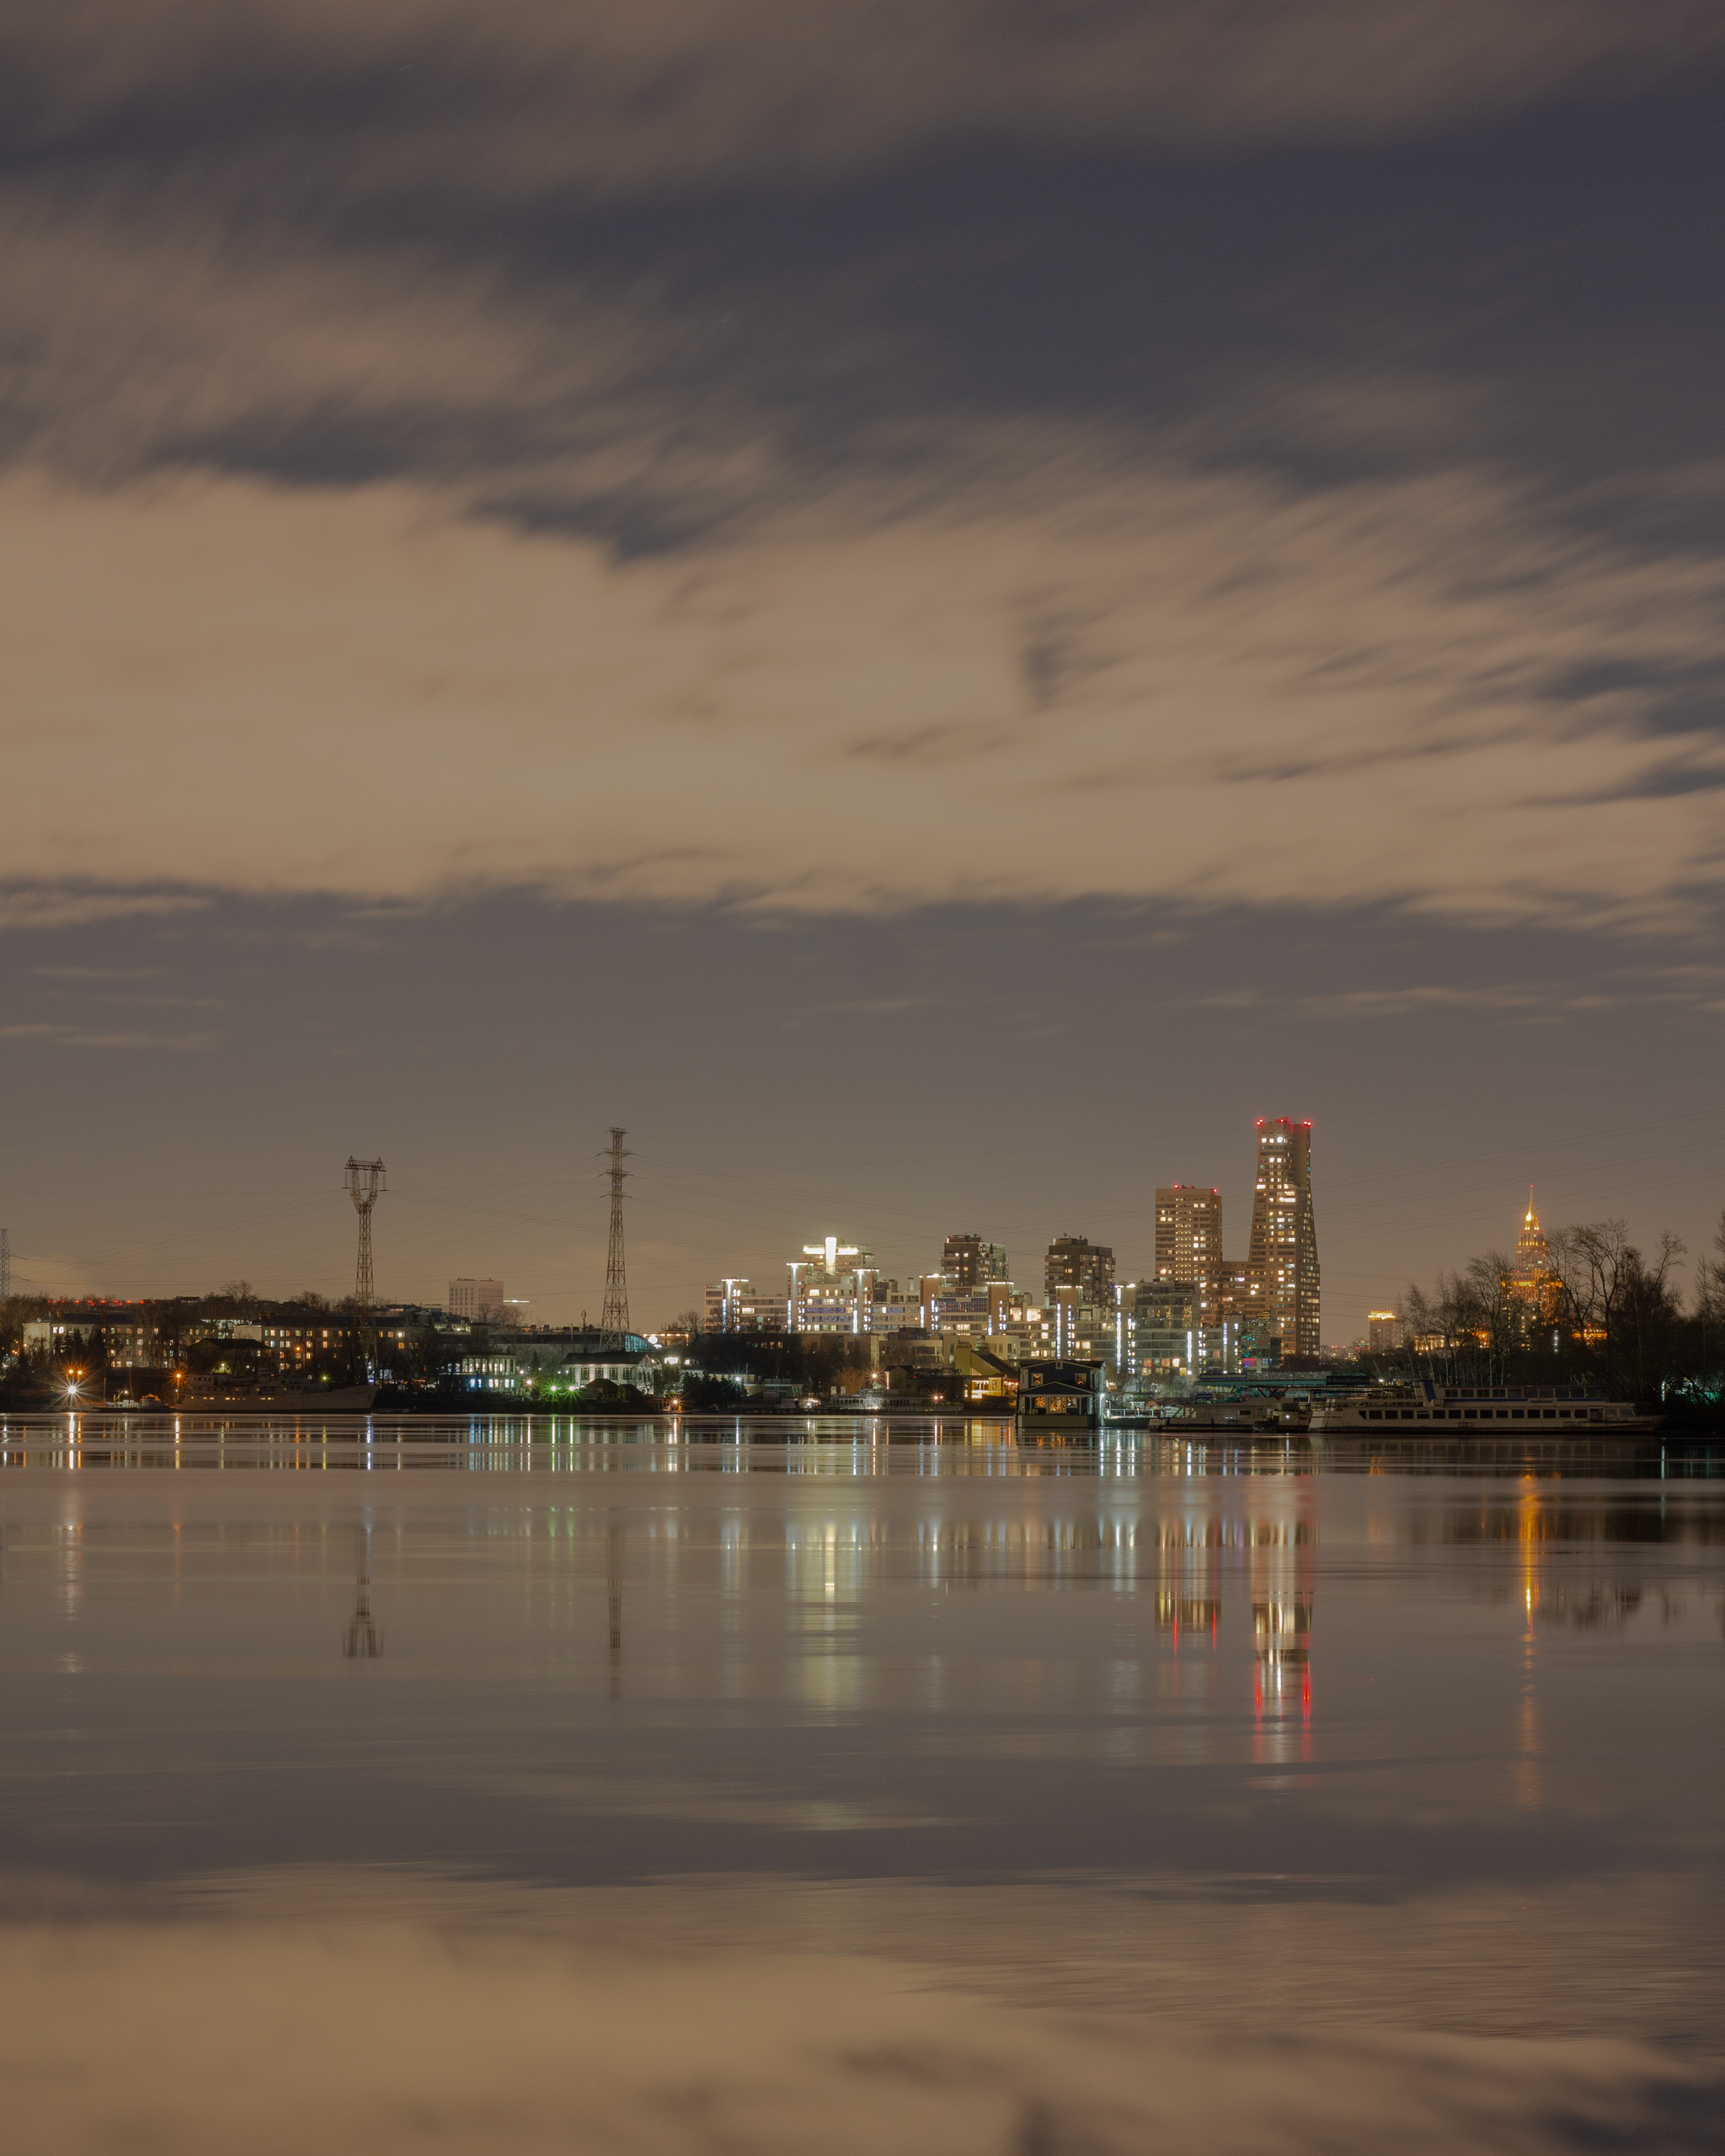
{"points": [[365, 1185], [5, 1265], [614, 1324]]}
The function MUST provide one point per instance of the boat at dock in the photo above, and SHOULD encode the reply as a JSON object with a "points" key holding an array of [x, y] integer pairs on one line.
{"points": [[1428, 1410]]}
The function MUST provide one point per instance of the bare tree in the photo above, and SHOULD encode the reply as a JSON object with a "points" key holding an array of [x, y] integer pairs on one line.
{"points": [[1710, 1305], [1621, 1309]]}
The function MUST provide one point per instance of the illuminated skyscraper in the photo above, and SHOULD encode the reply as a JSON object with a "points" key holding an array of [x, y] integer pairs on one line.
{"points": [[1188, 1243], [1283, 1258], [830, 1287], [1535, 1283]]}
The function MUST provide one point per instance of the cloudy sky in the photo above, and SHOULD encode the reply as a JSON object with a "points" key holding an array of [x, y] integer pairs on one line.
{"points": [[932, 604]]}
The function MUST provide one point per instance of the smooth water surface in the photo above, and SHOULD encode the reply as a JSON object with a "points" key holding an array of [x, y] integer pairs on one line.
{"points": [[863, 1784]]}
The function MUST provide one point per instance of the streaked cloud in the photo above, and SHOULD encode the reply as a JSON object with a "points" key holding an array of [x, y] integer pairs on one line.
{"points": [[48, 1034], [1351, 695]]}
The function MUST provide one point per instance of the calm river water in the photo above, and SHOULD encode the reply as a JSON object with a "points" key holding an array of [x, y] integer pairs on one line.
{"points": [[564, 1786]]}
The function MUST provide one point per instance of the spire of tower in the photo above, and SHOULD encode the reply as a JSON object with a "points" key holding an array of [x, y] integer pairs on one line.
{"points": [[614, 1323]]}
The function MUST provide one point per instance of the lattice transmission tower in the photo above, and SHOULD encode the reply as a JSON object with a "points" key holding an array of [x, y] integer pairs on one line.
{"points": [[614, 1324], [5, 1265], [365, 1184]]}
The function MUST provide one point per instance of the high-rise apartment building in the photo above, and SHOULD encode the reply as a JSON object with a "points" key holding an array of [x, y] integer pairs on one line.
{"points": [[1076, 1262], [830, 1287], [736, 1306], [1188, 1243], [968, 1264], [1160, 1335], [475, 1298], [1283, 1259]]}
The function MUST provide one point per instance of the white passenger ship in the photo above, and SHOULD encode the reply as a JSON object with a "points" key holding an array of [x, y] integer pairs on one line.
{"points": [[1504, 1410]]}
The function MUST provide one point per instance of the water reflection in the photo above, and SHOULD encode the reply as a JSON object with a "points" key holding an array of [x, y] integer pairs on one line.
{"points": [[1209, 1693], [849, 1448], [360, 1642]]}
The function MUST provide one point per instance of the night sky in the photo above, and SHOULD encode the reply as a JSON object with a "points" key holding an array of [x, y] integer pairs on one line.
{"points": [[932, 607]]}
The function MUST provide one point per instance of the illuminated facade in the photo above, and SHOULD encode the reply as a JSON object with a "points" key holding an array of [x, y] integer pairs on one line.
{"points": [[1283, 1259], [1188, 1243], [830, 1287], [734, 1304], [1162, 1334], [1534, 1284]]}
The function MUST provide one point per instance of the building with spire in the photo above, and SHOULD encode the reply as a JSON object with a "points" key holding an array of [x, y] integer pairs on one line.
{"points": [[1282, 1263], [1534, 1284]]}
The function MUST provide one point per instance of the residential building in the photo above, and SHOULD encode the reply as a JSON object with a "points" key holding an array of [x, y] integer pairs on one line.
{"points": [[830, 1287], [734, 1304], [1018, 1328], [1188, 1242], [1078, 1327], [1164, 1335], [914, 1307], [1386, 1331], [1283, 1260], [473, 1298], [968, 1264], [1075, 1262], [967, 1311]]}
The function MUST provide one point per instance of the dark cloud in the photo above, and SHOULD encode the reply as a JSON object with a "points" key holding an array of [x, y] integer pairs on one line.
{"points": [[530, 92]]}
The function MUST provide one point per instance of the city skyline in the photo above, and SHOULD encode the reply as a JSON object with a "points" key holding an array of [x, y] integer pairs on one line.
{"points": [[825, 1289]]}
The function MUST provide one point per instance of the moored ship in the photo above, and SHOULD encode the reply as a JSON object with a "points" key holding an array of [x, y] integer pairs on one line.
{"points": [[1241, 1418], [1428, 1410]]}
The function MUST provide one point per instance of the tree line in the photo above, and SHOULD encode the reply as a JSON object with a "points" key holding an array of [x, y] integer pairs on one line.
{"points": [[1605, 1315]]}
